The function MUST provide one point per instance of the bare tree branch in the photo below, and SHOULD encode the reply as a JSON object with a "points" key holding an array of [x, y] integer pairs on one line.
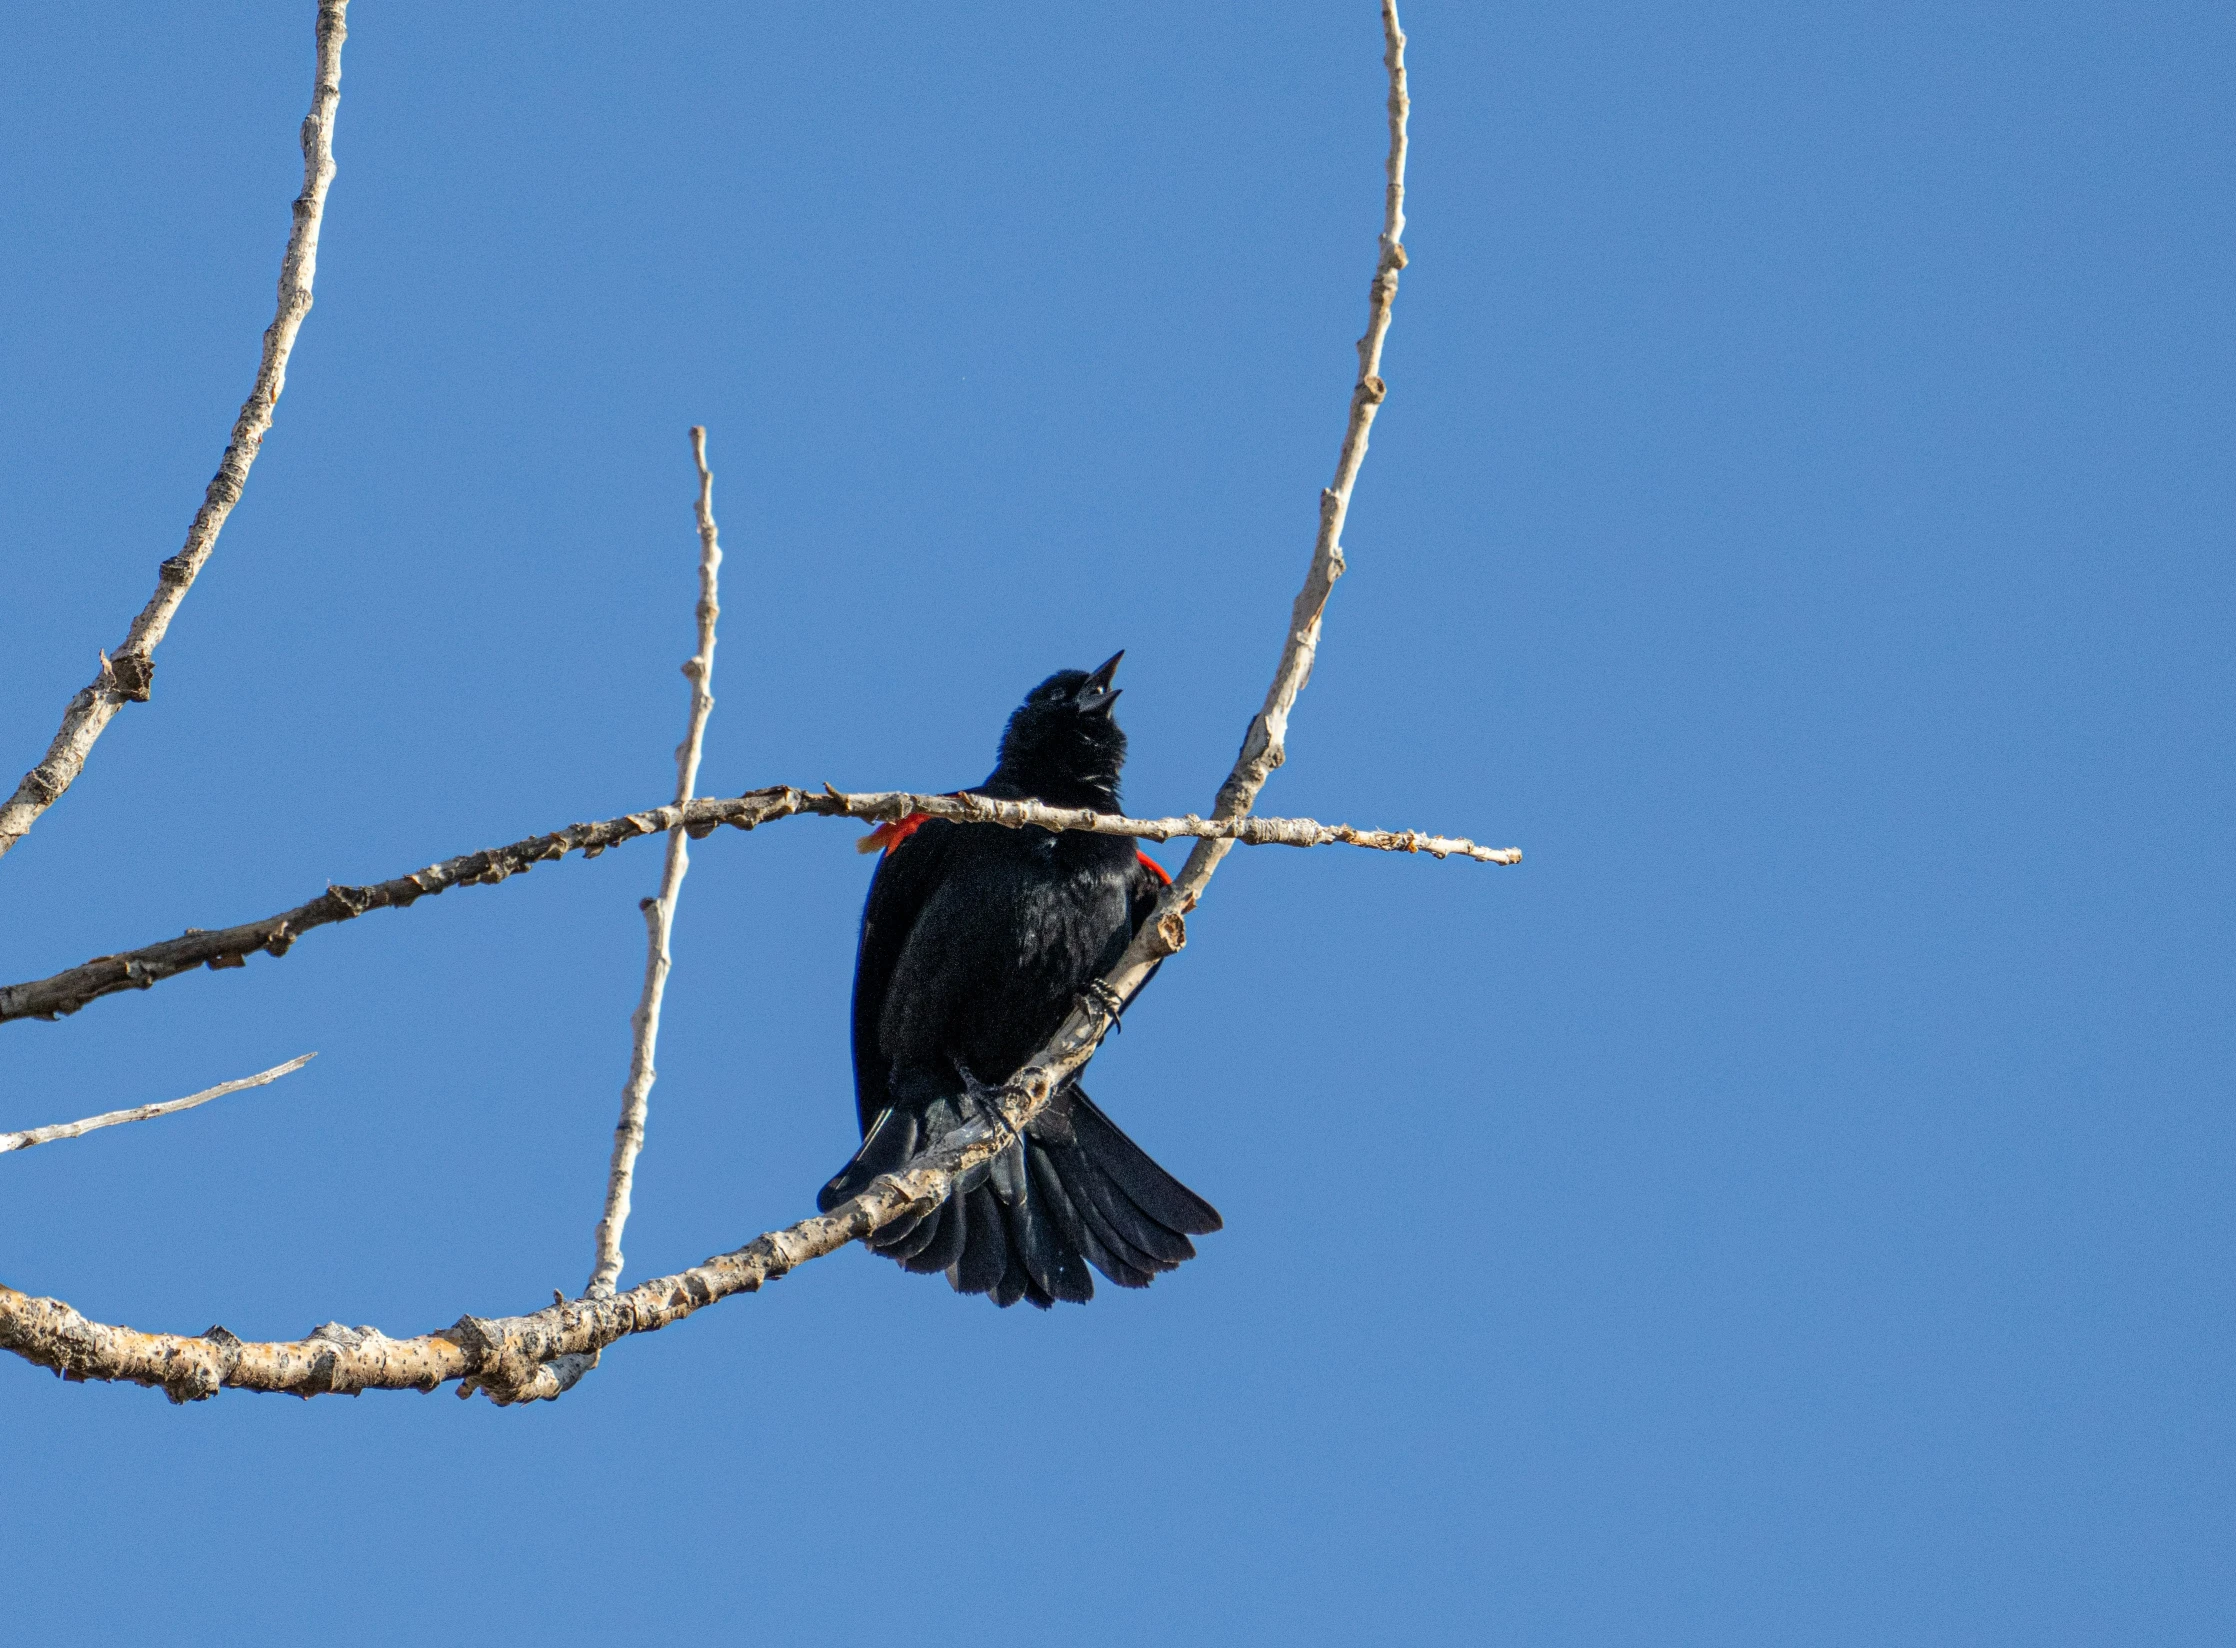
{"points": [[129, 676], [659, 913], [146, 1112], [67, 991], [1265, 745], [509, 1357], [512, 1358]]}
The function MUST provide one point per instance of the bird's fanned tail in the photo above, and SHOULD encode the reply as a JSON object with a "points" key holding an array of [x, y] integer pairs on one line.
{"points": [[1074, 1192]]}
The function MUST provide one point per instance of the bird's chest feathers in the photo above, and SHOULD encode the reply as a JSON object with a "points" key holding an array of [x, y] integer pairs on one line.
{"points": [[1061, 904], [1016, 928], [1028, 907]]}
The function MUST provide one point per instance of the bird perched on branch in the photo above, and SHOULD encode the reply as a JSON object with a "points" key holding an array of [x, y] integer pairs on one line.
{"points": [[976, 943]]}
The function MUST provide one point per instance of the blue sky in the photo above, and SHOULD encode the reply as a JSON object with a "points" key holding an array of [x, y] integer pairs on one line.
{"points": [[1792, 1207]]}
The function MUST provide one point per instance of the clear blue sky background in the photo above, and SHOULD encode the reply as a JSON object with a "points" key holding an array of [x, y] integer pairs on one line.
{"points": [[1793, 1207]]}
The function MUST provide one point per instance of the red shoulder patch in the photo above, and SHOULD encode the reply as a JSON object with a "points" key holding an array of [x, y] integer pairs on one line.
{"points": [[1153, 867], [889, 836]]}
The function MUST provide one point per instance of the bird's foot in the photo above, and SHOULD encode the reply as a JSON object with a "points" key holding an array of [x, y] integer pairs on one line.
{"points": [[1099, 997], [985, 1103]]}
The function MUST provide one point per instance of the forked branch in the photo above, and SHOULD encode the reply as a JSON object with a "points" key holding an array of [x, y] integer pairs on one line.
{"points": [[513, 1358]]}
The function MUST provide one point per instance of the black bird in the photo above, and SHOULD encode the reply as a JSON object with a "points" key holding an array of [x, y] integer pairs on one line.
{"points": [[976, 942]]}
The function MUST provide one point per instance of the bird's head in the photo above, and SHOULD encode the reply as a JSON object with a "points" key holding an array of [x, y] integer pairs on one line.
{"points": [[1063, 745]]}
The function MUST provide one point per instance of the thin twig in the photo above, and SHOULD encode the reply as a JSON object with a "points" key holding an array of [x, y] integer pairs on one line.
{"points": [[512, 1358], [1249, 832], [1265, 745], [659, 913], [129, 676], [67, 991], [146, 1112]]}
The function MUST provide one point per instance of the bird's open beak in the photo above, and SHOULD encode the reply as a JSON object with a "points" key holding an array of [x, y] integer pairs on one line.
{"points": [[1096, 694]]}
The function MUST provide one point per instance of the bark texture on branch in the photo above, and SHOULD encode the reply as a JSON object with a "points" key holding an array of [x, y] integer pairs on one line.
{"points": [[128, 676], [511, 1358], [67, 991], [514, 1358], [146, 1112]]}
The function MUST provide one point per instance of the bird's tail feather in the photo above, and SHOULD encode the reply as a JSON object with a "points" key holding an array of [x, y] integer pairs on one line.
{"points": [[1074, 1192]]}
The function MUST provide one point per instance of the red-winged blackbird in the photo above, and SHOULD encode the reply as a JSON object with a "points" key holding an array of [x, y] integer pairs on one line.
{"points": [[976, 942]]}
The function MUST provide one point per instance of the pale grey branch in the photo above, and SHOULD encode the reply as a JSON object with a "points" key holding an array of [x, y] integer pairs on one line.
{"points": [[513, 1358], [128, 676], [146, 1112], [1265, 744], [65, 992], [659, 913]]}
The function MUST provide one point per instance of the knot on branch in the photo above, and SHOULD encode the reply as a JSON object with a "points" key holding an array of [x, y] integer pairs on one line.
{"points": [[194, 1378], [228, 1342], [518, 1359], [483, 1342], [1026, 1091], [319, 1378], [203, 1377], [353, 901], [1372, 389], [40, 787], [134, 675]]}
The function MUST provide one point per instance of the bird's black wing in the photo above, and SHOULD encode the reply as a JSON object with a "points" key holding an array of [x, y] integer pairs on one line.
{"points": [[907, 875]]}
